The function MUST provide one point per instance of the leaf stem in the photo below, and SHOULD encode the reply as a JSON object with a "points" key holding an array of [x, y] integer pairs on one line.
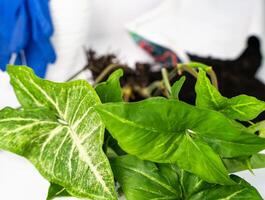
{"points": [[173, 73], [190, 70], [105, 72], [166, 80], [213, 77], [154, 85], [76, 74]]}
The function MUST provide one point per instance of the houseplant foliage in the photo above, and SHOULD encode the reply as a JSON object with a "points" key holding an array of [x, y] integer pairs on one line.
{"points": [[158, 148]]}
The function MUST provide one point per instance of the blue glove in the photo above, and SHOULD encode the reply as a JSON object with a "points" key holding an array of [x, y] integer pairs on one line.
{"points": [[13, 26], [26, 25]]}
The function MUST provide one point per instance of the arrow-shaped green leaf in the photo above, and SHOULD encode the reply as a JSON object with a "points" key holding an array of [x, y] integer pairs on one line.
{"points": [[154, 130], [110, 91], [65, 141], [241, 107], [176, 87], [197, 157]]}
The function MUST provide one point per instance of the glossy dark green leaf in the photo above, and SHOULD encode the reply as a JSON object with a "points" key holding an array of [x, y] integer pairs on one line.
{"points": [[110, 91], [154, 129], [143, 180], [56, 191], [241, 107], [65, 142], [176, 87]]}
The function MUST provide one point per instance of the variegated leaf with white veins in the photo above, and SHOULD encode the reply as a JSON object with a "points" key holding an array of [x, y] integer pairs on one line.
{"points": [[64, 141]]}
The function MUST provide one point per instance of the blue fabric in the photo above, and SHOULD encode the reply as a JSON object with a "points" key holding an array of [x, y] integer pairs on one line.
{"points": [[26, 25]]}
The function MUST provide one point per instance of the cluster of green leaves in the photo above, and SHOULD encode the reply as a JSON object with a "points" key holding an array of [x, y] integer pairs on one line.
{"points": [[153, 149]]}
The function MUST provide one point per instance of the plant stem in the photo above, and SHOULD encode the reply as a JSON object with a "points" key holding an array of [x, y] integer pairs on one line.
{"points": [[154, 85], [173, 73], [166, 80], [190, 69], [250, 122], [76, 74], [213, 77], [105, 72], [185, 67]]}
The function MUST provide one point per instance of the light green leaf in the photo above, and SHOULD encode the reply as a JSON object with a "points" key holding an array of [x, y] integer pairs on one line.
{"points": [[242, 107], [56, 191], [154, 129], [207, 96], [110, 91], [240, 191], [64, 143], [175, 89], [155, 120], [195, 188], [256, 161], [143, 180], [199, 65], [197, 157]]}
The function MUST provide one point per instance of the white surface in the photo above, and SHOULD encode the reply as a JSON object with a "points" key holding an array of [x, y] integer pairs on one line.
{"points": [[7, 96], [19, 180], [108, 33], [71, 19], [204, 27]]}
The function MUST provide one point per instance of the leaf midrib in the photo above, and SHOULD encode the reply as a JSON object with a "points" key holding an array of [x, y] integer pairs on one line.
{"points": [[83, 155]]}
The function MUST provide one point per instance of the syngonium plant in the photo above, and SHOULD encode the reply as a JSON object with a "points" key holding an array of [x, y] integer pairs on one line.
{"points": [[158, 148]]}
